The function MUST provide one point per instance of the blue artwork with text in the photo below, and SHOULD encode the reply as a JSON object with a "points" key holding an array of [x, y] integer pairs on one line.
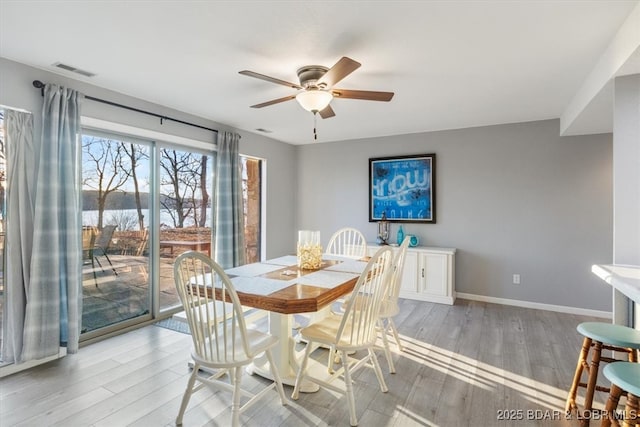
{"points": [[401, 188]]}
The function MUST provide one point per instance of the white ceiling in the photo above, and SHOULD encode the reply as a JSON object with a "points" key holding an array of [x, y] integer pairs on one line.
{"points": [[451, 64]]}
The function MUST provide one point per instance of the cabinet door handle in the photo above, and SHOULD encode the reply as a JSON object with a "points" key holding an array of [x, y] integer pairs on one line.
{"points": [[423, 272]]}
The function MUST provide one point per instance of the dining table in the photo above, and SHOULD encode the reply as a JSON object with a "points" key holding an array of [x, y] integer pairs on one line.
{"points": [[283, 289]]}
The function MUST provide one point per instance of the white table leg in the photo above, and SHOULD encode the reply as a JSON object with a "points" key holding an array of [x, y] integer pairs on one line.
{"points": [[283, 353]]}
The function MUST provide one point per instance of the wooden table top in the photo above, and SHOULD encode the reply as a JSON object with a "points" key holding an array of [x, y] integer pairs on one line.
{"points": [[296, 298]]}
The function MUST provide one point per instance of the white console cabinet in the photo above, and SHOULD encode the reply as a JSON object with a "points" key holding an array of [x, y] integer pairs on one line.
{"points": [[429, 274]]}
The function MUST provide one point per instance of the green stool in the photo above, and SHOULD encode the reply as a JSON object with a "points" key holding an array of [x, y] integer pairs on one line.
{"points": [[599, 336], [624, 376]]}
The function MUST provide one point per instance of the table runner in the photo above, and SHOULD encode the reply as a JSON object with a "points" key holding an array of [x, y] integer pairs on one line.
{"points": [[349, 266], [259, 285], [283, 260], [250, 270]]}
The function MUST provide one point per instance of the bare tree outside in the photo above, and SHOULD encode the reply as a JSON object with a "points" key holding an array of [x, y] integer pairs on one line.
{"points": [[106, 170], [124, 219], [183, 187], [135, 154]]}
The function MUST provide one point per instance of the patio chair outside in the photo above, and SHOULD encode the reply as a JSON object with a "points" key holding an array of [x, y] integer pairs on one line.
{"points": [[102, 245], [88, 242]]}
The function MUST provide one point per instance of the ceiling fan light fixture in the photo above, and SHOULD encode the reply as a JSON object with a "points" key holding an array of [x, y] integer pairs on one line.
{"points": [[314, 100]]}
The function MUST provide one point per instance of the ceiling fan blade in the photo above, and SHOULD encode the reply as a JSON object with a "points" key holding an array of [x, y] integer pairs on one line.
{"points": [[327, 112], [339, 71], [367, 95], [269, 79], [274, 101]]}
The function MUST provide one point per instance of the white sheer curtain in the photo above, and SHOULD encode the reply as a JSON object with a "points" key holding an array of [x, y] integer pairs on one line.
{"points": [[54, 294], [228, 203], [20, 158]]}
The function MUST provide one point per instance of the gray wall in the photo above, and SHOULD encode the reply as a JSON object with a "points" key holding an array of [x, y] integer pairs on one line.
{"points": [[17, 91], [511, 198], [626, 159], [626, 187]]}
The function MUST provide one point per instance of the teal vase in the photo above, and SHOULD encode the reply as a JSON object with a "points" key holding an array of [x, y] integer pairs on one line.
{"points": [[400, 235]]}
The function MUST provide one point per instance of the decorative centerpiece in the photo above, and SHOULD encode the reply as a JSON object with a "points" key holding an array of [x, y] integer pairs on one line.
{"points": [[309, 250]]}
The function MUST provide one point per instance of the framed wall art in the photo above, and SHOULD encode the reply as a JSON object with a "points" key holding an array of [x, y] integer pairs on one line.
{"points": [[403, 188]]}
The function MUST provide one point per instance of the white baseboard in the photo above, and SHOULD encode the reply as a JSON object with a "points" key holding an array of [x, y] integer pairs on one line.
{"points": [[536, 305], [12, 368]]}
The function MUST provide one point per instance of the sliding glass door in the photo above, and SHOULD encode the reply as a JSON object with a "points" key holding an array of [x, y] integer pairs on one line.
{"points": [[116, 183], [3, 210], [186, 182], [144, 203]]}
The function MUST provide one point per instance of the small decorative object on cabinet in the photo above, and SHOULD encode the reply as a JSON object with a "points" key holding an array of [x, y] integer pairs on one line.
{"points": [[429, 274], [384, 230], [400, 235], [413, 241]]}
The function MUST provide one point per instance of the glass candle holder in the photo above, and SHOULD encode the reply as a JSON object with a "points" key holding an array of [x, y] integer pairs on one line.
{"points": [[309, 250]]}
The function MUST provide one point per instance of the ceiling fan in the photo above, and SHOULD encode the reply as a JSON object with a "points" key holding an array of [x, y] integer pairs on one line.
{"points": [[316, 89]]}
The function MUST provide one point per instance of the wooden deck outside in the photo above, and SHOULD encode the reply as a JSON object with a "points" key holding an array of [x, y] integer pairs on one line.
{"points": [[111, 298]]}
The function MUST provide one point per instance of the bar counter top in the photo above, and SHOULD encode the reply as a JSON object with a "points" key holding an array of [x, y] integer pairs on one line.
{"points": [[624, 278]]}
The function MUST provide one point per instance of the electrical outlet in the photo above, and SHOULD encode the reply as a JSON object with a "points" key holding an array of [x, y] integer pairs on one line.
{"points": [[516, 279]]}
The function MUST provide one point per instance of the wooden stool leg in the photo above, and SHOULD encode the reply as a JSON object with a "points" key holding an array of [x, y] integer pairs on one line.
{"points": [[611, 406], [631, 416], [571, 398], [593, 379]]}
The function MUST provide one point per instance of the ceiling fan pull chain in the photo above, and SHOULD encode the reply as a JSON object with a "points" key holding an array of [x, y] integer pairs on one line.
{"points": [[315, 123]]}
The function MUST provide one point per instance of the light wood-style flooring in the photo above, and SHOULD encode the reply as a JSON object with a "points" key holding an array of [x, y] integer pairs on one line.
{"points": [[463, 365]]}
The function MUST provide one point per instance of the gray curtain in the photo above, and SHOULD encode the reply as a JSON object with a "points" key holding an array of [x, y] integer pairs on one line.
{"points": [[19, 155], [228, 207], [54, 295]]}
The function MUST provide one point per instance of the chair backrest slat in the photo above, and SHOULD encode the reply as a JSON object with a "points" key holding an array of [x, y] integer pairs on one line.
{"points": [[348, 242], [363, 308], [215, 323], [391, 297]]}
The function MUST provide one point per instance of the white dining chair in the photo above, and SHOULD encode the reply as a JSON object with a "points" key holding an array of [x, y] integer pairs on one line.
{"points": [[389, 307], [354, 330], [221, 341], [348, 242]]}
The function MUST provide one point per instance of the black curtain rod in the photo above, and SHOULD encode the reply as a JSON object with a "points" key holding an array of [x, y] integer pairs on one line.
{"points": [[39, 85]]}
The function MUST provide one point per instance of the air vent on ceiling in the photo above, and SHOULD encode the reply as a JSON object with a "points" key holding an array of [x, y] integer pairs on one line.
{"points": [[74, 69]]}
